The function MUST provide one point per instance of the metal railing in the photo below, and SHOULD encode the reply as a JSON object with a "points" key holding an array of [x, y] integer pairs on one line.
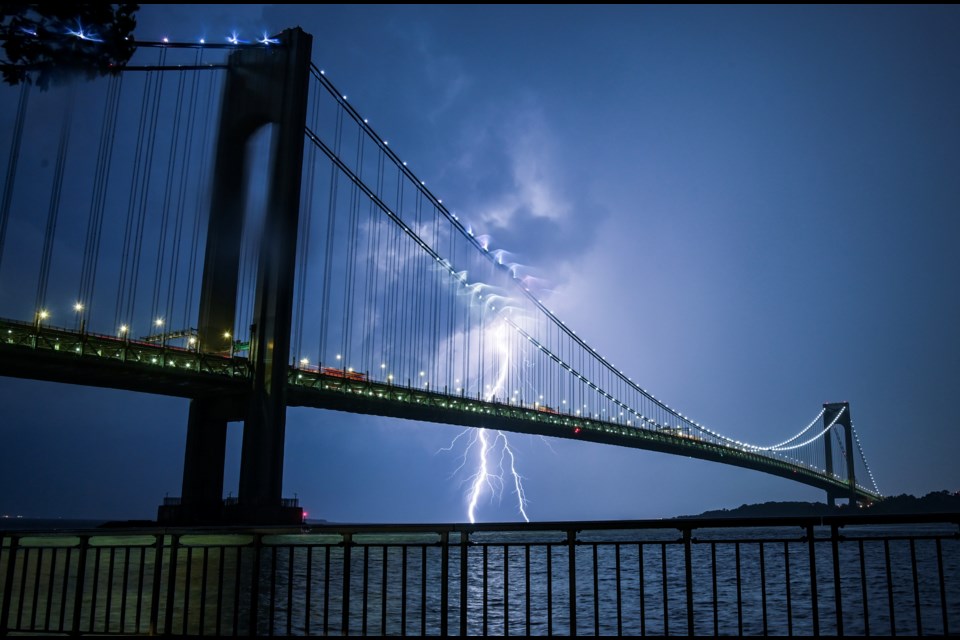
{"points": [[791, 576]]}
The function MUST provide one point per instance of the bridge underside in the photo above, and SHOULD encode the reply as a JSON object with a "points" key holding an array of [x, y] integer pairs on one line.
{"points": [[141, 375], [411, 404], [102, 361]]}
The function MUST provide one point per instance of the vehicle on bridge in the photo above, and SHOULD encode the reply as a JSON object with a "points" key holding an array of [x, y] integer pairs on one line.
{"points": [[349, 374]]}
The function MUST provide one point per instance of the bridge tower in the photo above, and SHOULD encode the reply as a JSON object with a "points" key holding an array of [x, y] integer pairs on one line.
{"points": [[264, 86], [830, 411]]}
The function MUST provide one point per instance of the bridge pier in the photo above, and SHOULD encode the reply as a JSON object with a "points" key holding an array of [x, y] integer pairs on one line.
{"points": [[264, 86], [202, 497]]}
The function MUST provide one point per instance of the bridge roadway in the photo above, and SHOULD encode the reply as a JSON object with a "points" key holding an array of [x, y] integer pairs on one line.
{"points": [[64, 355]]}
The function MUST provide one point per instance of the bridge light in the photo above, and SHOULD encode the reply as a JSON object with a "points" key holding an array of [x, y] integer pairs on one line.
{"points": [[383, 366], [192, 340], [304, 361], [338, 356], [226, 335], [158, 322], [166, 40], [423, 374], [123, 329], [203, 41], [78, 307], [43, 314]]}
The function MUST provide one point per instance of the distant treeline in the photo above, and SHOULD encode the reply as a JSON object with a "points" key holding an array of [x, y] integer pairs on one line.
{"points": [[935, 502]]}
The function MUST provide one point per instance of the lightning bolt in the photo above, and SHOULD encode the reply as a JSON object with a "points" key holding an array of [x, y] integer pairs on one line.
{"points": [[485, 479], [481, 477], [517, 483]]}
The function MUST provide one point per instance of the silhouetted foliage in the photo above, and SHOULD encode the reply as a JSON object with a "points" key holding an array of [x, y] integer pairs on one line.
{"points": [[55, 41], [935, 502]]}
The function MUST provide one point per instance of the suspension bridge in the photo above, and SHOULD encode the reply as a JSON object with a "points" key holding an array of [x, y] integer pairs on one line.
{"points": [[219, 223]]}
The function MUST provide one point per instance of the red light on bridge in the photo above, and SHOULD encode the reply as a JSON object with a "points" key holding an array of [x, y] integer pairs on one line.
{"points": [[576, 429]]}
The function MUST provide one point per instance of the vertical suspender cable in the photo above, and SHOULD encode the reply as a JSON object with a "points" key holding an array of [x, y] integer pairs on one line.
{"points": [[185, 167], [376, 264], [12, 161], [419, 292], [329, 244], [199, 214], [53, 210], [143, 205], [351, 267], [437, 279], [393, 291], [306, 216], [161, 258], [108, 133], [120, 315]]}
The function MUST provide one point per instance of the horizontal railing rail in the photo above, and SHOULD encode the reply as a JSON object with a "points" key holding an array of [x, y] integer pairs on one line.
{"points": [[833, 575]]}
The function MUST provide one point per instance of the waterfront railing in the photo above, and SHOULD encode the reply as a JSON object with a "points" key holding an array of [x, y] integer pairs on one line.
{"points": [[835, 575]]}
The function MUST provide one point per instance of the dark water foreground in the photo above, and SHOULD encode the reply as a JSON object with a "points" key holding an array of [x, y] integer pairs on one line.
{"points": [[801, 576]]}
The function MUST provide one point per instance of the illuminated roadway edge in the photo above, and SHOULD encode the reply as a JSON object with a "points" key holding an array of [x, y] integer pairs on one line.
{"points": [[64, 355]]}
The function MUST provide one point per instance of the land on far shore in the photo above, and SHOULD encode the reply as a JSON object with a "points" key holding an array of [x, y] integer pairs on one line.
{"points": [[934, 502]]}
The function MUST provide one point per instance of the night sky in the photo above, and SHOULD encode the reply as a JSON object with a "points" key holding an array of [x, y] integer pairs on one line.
{"points": [[751, 211]]}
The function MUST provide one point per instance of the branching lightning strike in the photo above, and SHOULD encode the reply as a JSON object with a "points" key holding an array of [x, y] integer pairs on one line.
{"points": [[485, 479]]}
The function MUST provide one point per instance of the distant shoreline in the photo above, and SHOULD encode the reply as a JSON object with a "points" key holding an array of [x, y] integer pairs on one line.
{"points": [[935, 502]]}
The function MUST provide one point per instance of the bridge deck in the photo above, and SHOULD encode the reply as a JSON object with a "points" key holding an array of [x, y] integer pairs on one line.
{"points": [[64, 355]]}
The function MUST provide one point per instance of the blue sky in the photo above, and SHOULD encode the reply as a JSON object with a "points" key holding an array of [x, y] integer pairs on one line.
{"points": [[750, 210]]}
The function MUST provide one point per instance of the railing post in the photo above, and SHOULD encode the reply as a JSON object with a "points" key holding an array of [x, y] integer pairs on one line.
{"points": [[155, 593], [171, 585], [814, 605], [572, 551], [838, 598], [688, 570], [8, 584], [345, 618], [444, 584], [78, 593], [255, 587], [943, 592], [464, 538]]}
